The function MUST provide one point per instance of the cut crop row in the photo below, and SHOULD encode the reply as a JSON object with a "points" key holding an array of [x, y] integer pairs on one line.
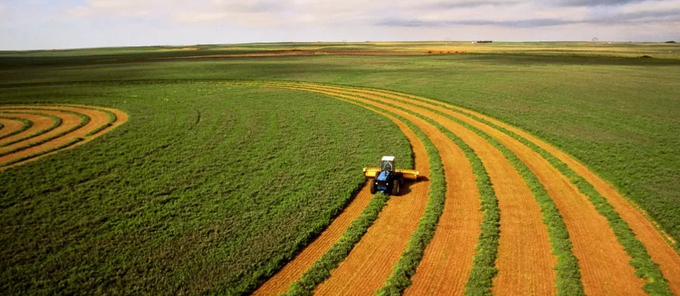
{"points": [[56, 122], [647, 269], [26, 125], [84, 120]]}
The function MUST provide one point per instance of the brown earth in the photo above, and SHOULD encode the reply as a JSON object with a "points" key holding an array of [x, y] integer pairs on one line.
{"points": [[603, 261], [525, 263], [10, 126], [97, 119], [40, 122]]}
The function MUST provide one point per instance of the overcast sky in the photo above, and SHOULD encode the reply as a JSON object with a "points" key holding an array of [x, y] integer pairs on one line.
{"points": [[41, 24]]}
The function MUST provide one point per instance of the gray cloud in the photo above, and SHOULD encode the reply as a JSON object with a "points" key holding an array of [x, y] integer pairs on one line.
{"points": [[532, 23], [613, 19], [592, 3], [261, 6], [465, 4]]}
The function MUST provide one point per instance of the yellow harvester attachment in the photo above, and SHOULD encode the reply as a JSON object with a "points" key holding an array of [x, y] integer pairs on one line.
{"points": [[371, 172]]}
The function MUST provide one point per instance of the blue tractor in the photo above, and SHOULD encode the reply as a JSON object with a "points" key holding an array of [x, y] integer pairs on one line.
{"points": [[387, 178]]}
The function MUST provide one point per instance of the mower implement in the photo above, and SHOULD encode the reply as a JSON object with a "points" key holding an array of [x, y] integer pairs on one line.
{"points": [[388, 179]]}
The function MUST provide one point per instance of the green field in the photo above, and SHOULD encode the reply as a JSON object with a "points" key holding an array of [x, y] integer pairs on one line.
{"points": [[212, 187]]}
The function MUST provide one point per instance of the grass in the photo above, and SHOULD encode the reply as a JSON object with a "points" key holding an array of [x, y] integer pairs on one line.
{"points": [[56, 122], [568, 280], [646, 269], [321, 270], [26, 125], [84, 120], [480, 282], [218, 168], [159, 197], [483, 269]]}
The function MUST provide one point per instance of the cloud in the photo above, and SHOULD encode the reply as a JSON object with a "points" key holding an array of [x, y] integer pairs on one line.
{"points": [[29, 23], [464, 4], [531, 23], [591, 3]]}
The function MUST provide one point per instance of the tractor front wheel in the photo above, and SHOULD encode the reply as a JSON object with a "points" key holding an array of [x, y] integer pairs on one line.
{"points": [[374, 189]]}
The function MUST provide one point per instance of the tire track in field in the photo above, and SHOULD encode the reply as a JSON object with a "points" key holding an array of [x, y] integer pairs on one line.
{"points": [[79, 124], [524, 244]]}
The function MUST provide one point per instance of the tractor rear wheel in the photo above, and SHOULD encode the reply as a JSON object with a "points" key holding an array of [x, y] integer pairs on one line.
{"points": [[374, 189]]}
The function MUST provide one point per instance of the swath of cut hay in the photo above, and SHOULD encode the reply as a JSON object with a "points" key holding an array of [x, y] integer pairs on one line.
{"points": [[51, 128]]}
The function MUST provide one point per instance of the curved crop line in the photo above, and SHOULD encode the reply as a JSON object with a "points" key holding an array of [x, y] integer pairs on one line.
{"points": [[84, 120], [112, 117], [112, 120], [27, 124], [568, 275], [1, 125], [41, 153], [400, 278], [321, 269], [56, 122], [646, 268]]}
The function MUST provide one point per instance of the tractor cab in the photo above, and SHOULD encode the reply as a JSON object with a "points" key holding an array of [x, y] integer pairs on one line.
{"points": [[387, 164]]}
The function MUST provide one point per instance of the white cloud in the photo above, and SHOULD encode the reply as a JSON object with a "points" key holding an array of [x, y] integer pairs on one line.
{"points": [[139, 22]]}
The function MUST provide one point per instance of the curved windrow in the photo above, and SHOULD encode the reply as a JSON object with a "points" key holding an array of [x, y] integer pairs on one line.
{"points": [[561, 229], [34, 131]]}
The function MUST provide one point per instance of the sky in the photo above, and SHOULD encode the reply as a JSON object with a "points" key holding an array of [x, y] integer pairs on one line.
{"points": [[57, 24]]}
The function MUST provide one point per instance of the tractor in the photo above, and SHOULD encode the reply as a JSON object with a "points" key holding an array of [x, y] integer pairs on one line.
{"points": [[387, 178]]}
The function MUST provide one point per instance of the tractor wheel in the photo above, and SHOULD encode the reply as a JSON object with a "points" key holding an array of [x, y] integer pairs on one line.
{"points": [[374, 189], [395, 188]]}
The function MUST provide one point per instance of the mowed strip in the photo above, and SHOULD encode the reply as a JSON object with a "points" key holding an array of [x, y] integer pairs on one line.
{"points": [[40, 122], [70, 133], [9, 125], [281, 281], [459, 226], [603, 261], [371, 261], [659, 250], [69, 122], [525, 263]]}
